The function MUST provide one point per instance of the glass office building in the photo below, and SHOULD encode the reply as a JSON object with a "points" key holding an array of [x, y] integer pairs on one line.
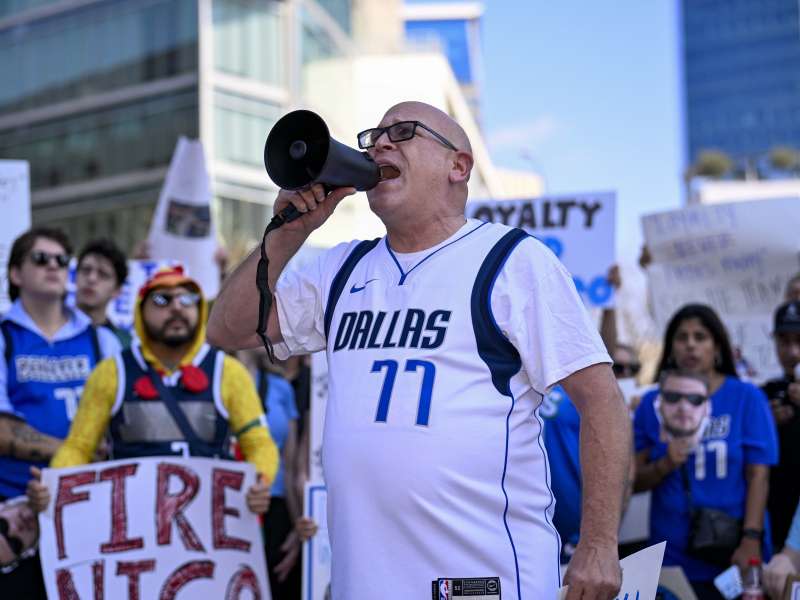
{"points": [[742, 75], [96, 94]]}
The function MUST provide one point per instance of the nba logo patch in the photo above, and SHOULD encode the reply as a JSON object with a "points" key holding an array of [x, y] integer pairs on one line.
{"points": [[476, 588]]}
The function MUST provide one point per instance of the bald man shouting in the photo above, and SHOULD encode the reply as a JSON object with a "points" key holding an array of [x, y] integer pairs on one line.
{"points": [[441, 338]]}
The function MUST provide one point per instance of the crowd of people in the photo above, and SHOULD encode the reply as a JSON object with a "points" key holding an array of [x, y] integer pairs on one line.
{"points": [[472, 323], [75, 388], [719, 454]]}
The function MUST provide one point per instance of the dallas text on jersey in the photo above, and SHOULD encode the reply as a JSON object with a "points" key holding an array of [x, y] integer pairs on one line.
{"points": [[414, 329]]}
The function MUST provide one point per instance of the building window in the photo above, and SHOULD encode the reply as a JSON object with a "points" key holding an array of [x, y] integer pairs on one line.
{"points": [[116, 140], [241, 126], [340, 10], [97, 48], [241, 223], [248, 40]]}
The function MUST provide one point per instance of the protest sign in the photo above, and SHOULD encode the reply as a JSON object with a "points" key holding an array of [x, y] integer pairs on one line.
{"points": [[152, 528], [15, 206], [317, 550], [640, 574], [578, 228], [183, 228], [734, 257]]}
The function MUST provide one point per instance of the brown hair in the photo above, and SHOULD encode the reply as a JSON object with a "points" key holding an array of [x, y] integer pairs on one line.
{"points": [[23, 245]]}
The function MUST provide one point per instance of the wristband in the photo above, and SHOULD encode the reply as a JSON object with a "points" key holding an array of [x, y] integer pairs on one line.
{"points": [[753, 534]]}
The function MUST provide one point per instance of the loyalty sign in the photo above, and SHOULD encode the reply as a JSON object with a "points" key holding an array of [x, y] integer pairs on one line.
{"points": [[579, 229], [152, 528]]}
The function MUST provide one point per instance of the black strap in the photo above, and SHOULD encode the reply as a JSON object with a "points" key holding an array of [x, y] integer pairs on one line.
{"points": [[95, 344], [8, 340], [290, 213], [263, 388], [687, 484], [189, 434]]}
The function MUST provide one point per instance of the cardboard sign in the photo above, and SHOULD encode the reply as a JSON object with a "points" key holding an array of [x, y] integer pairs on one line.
{"points": [[152, 528], [317, 550], [579, 229], [15, 206], [737, 258], [640, 573], [182, 227]]}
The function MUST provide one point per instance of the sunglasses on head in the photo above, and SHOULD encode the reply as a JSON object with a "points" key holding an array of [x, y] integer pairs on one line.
{"points": [[185, 299], [42, 259], [14, 543], [675, 397], [626, 370]]}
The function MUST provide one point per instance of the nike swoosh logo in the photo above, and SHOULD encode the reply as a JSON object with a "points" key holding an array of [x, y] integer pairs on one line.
{"points": [[356, 288]]}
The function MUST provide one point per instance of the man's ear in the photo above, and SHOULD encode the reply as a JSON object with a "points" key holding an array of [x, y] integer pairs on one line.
{"points": [[461, 167], [13, 276]]}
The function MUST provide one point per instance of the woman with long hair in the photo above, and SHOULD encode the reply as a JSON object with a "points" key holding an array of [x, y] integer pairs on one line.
{"points": [[719, 477]]}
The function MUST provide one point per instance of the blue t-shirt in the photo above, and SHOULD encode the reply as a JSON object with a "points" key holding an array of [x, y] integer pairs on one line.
{"points": [[741, 432], [562, 427], [281, 410]]}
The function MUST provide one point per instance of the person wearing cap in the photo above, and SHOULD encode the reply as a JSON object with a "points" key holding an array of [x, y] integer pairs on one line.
{"points": [[784, 399], [143, 395]]}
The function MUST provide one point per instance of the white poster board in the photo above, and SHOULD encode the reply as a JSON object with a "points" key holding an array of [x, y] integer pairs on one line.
{"points": [[183, 228], [15, 206], [734, 257], [579, 229], [640, 574], [152, 528], [317, 550]]}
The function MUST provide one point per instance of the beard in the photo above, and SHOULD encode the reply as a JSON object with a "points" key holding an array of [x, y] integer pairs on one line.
{"points": [[173, 340]]}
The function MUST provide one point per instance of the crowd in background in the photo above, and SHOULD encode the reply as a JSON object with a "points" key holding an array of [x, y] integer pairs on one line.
{"points": [[719, 455]]}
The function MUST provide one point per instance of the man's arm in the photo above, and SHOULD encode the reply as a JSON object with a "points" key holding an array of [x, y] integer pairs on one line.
{"points": [[234, 316], [20, 440], [605, 445]]}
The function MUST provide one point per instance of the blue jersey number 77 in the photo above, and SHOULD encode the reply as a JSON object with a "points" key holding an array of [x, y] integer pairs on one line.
{"points": [[391, 366]]}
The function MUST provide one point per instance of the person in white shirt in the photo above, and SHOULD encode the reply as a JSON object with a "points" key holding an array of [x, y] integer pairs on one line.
{"points": [[441, 339]]}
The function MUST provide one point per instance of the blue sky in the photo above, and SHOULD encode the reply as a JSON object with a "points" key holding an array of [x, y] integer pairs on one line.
{"points": [[590, 98]]}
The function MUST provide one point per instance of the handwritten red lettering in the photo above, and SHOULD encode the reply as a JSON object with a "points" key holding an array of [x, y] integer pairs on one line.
{"points": [[119, 515], [133, 570], [65, 497], [65, 585], [221, 479], [243, 579], [170, 507], [197, 569]]}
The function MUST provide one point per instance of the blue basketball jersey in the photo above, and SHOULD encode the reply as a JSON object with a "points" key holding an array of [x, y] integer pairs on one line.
{"points": [[741, 432], [44, 382]]}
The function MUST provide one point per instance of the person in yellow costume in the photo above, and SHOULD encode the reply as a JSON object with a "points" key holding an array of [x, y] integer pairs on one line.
{"points": [[170, 393]]}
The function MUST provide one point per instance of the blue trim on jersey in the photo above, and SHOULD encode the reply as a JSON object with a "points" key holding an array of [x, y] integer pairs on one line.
{"points": [[494, 348], [340, 280], [505, 510], [550, 490], [403, 274]]}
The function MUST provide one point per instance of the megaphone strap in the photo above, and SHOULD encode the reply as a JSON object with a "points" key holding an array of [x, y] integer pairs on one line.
{"points": [[290, 213]]}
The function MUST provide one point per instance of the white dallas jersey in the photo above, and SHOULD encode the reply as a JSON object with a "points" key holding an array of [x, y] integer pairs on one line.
{"points": [[432, 449]]}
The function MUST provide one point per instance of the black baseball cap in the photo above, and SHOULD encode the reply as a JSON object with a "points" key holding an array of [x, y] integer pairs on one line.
{"points": [[787, 318]]}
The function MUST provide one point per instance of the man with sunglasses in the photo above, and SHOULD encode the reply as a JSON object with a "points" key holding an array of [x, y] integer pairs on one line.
{"points": [[47, 351], [170, 394], [440, 339]]}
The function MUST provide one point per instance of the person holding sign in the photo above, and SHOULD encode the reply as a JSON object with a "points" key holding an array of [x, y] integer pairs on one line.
{"points": [[441, 339], [170, 393], [47, 351], [708, 470], [785, 563]]}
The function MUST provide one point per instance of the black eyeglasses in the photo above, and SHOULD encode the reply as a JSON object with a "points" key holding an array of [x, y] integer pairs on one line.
{"points": [[675, 397], [185, 299], [398, 132], [42, 259], [14, 543], [626, 370]]}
